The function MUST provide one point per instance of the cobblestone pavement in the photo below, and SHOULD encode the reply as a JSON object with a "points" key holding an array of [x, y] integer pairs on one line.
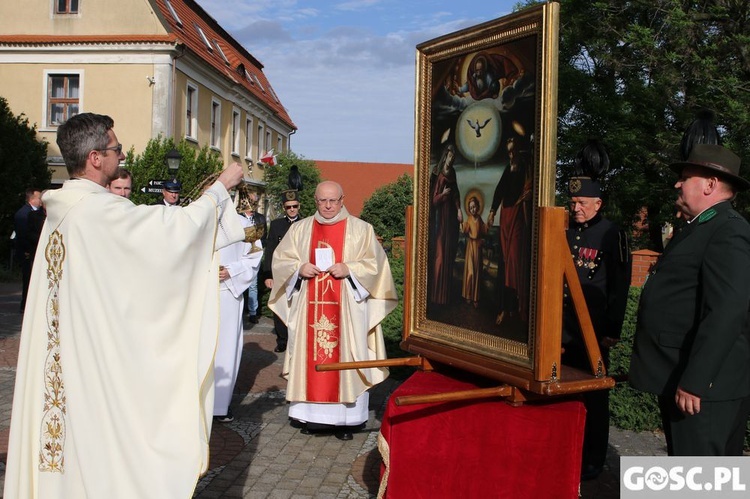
{"points": [[260, 455]]}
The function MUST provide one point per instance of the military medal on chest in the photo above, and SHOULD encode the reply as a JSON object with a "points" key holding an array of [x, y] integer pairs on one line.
{"points": [[587, 258]]}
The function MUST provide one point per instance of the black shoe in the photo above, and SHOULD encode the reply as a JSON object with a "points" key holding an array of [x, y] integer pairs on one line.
{"points": [[254, 319], [344, 435], [305, 430], [228, 418], [280, 348], [589, 472]]}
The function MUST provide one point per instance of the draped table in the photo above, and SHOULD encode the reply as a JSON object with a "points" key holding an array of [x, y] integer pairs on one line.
{"points": [[481, 448]]}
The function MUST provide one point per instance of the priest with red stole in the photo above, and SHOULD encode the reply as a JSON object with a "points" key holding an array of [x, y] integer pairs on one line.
{"points": [[332, 288]]}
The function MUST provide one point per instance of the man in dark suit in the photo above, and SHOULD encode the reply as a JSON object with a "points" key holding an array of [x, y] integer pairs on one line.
{"points": [[692, 341], [276, 233], [20, 226], [602, 258]]}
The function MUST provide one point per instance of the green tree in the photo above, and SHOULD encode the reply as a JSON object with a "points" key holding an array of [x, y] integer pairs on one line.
{"points": [[22, 165], [276, 178], [385, 209], [634, 74], [195, 166]]}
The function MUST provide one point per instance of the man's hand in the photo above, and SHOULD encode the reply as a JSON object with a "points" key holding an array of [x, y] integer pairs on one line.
{"points": [[268, 283], [223, 274], [687, 402], [339, 270], [308, 270], [232, 175]]}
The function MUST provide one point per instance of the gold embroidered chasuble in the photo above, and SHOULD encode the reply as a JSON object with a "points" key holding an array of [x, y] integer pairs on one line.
{"points": [[360, 335], [114, 384]]}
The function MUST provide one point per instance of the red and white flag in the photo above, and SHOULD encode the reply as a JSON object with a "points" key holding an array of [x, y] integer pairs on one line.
{"points": [[269, 158]]}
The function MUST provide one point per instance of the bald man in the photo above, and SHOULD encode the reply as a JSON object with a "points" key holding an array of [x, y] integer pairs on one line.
{"points": [[332, 287]]}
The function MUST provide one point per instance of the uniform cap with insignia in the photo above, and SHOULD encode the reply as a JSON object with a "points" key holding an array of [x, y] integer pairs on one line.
{"points": [[591, 162], [173, 185], [716, 158], [289, 195], [584, 187]]}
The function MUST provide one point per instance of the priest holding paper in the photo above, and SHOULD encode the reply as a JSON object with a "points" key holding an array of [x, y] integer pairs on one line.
{"points": [[332, 287]]}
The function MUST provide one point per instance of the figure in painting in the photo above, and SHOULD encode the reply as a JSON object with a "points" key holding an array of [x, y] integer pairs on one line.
{"points": [[475, 229], [513, 198], [487, 75], [446, 223]]}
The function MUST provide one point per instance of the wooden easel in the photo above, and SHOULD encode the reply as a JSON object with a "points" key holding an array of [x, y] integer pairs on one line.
{"points": [[548, 377]]}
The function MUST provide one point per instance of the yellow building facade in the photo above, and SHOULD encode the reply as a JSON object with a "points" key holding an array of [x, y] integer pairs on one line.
{"points": [[157, 67]]}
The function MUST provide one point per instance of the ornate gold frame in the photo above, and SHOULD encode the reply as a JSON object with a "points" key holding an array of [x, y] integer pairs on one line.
{"points": [[496, 356]]}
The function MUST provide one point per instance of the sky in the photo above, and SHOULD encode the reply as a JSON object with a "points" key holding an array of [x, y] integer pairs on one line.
{"points": [[345, 70]]}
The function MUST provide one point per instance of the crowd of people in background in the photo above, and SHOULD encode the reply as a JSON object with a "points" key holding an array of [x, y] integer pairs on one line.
{"points": [[330, 287]]}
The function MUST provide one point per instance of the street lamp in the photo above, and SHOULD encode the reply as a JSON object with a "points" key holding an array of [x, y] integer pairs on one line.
{"points": [[173, 162]]}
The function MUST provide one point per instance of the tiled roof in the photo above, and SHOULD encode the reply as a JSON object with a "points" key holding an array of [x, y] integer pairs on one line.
{"points": [[239, 66], [82, 39], [361, 180]]}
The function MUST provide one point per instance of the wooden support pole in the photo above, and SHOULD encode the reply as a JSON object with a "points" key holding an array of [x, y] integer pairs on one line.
{"points": [[420, 362], [437, 398]]}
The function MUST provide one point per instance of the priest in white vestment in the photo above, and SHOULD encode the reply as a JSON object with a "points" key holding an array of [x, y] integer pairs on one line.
{"points": [[332, 287], [114, 382], [239, 265]]}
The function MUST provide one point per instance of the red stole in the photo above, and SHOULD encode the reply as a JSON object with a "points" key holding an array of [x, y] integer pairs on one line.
{"points": [[323, 316]]}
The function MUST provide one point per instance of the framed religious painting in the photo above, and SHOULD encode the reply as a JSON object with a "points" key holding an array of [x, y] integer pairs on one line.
{"points": [[485, 168]]}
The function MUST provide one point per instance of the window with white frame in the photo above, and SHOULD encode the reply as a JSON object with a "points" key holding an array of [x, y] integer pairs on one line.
{"points": [[249, 138], [66, 6], [236, 131], [261, 146], [279, 142], [63, 97], [268, 139], [215, 124], [191, 112]]}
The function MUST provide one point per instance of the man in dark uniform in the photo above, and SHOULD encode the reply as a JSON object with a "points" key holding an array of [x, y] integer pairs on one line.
{"points": [[602, 258], [692, 340], [21, 225], [170, 193], [276, 233]]}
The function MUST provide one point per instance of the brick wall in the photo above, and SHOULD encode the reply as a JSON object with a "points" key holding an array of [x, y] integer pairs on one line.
{"points": [[643, 260]]}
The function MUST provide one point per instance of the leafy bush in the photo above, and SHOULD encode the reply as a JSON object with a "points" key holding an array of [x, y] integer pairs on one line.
{"points": [[385, 208], [393, 324], [630, 409], [277, 181], [22, 165], [195, 166]]}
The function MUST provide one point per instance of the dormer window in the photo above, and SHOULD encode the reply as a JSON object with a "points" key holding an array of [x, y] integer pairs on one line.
{"points": [[204, 38], [221, 52], [171, 11]]}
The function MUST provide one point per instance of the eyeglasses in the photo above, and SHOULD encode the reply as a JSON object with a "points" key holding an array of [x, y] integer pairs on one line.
{"points": [[117, 149], [291, 207], [326, 201]]}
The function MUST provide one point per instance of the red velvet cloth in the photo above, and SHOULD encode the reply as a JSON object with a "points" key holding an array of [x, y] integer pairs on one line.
{"points": [[484, 448]]}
